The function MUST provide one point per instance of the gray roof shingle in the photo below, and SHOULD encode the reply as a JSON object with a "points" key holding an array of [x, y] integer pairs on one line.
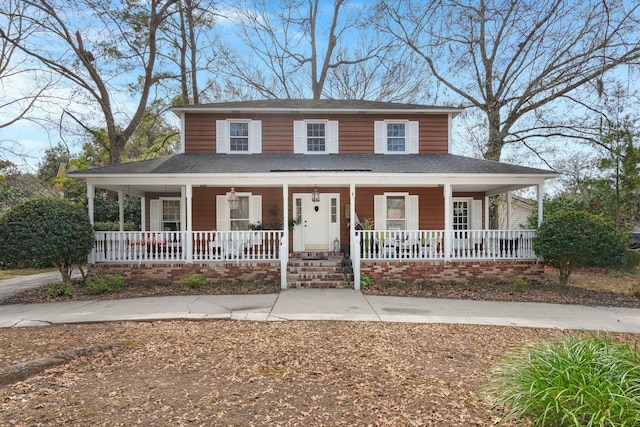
{"points": [[271, 163]]}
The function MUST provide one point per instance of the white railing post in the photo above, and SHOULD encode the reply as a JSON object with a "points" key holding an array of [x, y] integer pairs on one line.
{"points": [[284, 259], [355, 260]]}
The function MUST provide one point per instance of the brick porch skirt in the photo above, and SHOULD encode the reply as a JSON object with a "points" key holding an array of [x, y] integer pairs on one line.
{"points": [[172, 272], [472, 271]]}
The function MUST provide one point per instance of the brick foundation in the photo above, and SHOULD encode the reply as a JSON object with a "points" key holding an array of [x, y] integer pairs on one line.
{"points": [[172, 272], [454, 271]]}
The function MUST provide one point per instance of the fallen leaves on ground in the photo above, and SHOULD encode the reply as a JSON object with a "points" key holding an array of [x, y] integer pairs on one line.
{"points": [[179, 373]]}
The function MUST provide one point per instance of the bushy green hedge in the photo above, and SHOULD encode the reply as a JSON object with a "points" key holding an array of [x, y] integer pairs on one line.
{"points": [[579, 239], [45, 232], [577, 382]]}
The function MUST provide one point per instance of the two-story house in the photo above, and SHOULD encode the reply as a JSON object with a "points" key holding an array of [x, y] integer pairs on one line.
{"points": [[260, 188]]}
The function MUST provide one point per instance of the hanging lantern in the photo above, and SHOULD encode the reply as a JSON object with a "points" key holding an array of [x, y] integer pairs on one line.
{"points": [[315, 195], [233, 199]]}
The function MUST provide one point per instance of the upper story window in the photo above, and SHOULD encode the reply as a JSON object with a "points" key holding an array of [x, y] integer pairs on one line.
{"points": [[238, 136], [315, 136], [396, 137]]}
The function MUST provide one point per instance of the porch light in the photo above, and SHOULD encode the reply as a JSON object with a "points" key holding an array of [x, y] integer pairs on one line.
{"points": [[233, 199], [315, 195]]}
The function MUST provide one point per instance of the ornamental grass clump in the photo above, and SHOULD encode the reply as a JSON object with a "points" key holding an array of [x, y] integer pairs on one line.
{"points": [[591, 381]]}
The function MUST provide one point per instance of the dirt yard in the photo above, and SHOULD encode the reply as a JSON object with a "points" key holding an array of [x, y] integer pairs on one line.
{"points": [[187, 373], [182, 373]]}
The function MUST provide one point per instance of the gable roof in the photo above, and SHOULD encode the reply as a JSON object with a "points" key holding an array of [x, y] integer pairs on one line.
{"points": [[299, 163], [347, 106]]}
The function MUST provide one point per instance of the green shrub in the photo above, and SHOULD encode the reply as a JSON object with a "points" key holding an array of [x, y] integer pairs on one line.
{"points": [[519, 284], [365, 281], [632, 260], [194, 281], [44, 232], [58, 290], [104, 283], [579, 239], [589, 381], [113, 226]]}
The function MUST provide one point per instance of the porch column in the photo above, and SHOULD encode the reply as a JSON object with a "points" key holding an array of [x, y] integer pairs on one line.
{"points": [[90, 197], [540, 203], [284, 243], [121, 209], [143, 213], [188, 193], [353, 242], [486, 212], [448, 240], [508, 210]]}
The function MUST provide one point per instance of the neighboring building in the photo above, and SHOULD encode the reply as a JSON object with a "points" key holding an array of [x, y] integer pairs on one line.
{"points": [[513, 214], [246, 168]]}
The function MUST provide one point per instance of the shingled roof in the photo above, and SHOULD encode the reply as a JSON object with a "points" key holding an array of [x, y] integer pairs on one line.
{"points": [[317, 105], [296, 163]]}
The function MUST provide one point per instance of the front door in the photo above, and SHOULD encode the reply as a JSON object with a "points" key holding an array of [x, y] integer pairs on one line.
{"points": [[319, 222]]}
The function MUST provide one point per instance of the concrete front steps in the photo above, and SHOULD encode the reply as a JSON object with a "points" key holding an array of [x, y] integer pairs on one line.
{"points": [[319, 270]]}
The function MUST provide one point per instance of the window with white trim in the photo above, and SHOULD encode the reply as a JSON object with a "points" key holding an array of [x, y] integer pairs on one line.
{"points": [[238, 136], [249, 212], [396, 137], [165, 214], [396, 211], [315, 136], [461, 211]]}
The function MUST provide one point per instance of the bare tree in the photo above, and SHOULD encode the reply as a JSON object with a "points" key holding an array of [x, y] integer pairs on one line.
{"points": [[512, 59], [190, 42], [104, 50], [291, 47], [16, 98]]}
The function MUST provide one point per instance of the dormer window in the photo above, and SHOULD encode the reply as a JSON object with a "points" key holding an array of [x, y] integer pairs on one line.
{"points": [[396, 137], [237, 136], [315, 136]]}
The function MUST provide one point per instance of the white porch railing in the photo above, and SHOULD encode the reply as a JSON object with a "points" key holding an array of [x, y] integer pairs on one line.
{"points": [[138, 246], [430, 244]]}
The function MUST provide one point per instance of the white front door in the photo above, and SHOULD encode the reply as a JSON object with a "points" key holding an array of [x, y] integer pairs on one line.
{"points": [[319, 223]]}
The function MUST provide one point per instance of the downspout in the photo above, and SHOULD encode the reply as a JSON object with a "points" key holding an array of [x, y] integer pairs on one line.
{"points": [[284, 242], [353, 240]]}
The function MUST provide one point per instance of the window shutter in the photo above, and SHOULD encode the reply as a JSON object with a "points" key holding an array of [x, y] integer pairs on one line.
{"points": [[412, 213], [222, 213], [255, 209], [332, 137], [412, 140], [476, 215], [299, 137], [155, 211], [380, 137], [379, 212], [222, 139], [255, 143]]}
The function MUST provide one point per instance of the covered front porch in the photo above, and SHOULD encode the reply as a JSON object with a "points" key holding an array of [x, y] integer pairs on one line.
{"points": [[406, 251]]}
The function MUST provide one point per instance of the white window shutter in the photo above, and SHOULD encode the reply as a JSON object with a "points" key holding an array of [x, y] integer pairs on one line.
{"points": [[332, 137], [222, 213], [412, 213], [222, 139], [379, 212], [255, 143], [155, 211], [255, 209], [380, 137], [476, 215], [412, 138], [299, 137]]}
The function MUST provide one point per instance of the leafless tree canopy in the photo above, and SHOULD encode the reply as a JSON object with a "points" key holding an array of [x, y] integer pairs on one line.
{"points": [[512, 58]]}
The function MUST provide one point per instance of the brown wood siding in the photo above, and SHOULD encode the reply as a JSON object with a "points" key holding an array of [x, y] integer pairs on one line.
{"points": [[356, 132]]}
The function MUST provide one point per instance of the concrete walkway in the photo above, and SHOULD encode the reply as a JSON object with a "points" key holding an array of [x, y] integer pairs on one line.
{"points": [[325, 304]]}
